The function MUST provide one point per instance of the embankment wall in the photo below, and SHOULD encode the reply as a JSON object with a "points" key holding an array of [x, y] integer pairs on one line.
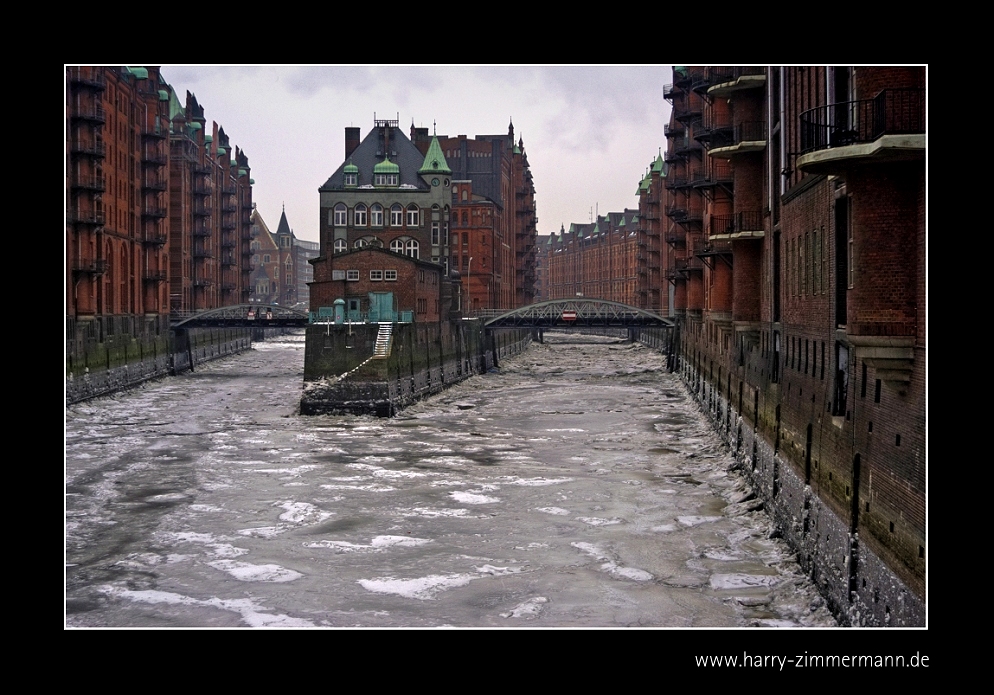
{"points": [[860, 585], [341, 374]]}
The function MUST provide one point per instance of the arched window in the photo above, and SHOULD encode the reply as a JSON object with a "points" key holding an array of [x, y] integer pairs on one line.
{"points": [[341, 245], [412, 248], [413, 216], [360, 215], [360, 243], [341, 215], [396, 215], [397, 246], [376, 215]]}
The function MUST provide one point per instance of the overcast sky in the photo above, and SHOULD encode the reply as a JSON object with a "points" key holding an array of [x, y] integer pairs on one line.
{"points": [[589, 132]]}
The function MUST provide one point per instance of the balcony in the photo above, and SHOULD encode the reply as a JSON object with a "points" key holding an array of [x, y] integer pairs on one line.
{"points": [[748, 136], [715, 247], [89, 112], [89, 217], [727, 80], [154, 238], [719, 173], [88, 77], [673, 131], [741, 225], [95, 148], [670, 92], [157, 211], [152, 277], [153, 183], [96, 266], [154, 157], [96, 184], [888, 128]]}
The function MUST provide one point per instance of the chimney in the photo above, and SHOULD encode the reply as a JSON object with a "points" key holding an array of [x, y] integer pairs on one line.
{"points": [[351, 140]]}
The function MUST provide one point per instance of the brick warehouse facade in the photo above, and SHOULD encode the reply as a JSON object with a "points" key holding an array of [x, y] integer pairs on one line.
{"points": [[795, 206], [156, 215], [493, 216]]}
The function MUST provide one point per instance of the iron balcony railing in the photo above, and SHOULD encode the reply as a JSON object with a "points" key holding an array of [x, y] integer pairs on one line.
{"points": [[719, 75], [746, 221], [892, 112]]}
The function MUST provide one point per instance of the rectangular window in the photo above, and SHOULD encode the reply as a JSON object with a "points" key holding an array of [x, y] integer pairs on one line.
{"points": [[434, 233], [376, 275], [352, 275], [413, 218], [390, 275]]}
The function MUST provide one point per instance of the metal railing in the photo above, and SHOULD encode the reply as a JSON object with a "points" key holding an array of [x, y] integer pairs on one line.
{"points": [[892, 112], [746, 221]]}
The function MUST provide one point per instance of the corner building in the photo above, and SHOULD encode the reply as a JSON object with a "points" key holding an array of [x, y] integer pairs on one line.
{"points": [[796, 212]]}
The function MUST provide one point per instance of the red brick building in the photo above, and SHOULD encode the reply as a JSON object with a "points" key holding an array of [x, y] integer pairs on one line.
{"points": [[493, 186], [156, 214], [210, 208], [795, 215]]}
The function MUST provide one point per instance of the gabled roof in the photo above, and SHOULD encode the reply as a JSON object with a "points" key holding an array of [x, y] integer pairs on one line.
{"points": [[402, 153]]}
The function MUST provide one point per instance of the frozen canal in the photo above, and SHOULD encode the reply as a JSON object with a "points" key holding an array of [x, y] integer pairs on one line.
{"points": [[577, 487]]}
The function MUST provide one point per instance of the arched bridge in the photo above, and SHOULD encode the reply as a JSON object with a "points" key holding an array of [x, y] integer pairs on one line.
{"points": [[247, 316], [564, 313]]}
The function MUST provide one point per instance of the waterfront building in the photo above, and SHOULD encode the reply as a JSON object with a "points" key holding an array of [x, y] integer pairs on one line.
{"points": [[795, 219]]}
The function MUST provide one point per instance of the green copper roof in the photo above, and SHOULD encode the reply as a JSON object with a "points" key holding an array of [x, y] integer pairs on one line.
{"points": [[163, 95], [657, 165], [386, 167], [434, 160], [139, 72], [351, 168], [622, 222]]}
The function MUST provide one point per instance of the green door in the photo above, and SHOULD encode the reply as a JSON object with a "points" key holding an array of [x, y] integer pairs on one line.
{"points": [[381, 306]]}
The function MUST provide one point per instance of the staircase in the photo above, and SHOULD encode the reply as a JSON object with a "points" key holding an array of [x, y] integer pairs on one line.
{"points": [[384, 341]]}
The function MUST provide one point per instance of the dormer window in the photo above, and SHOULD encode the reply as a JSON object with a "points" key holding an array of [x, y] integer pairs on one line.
{"points": [[385, 180], [351, 179]]}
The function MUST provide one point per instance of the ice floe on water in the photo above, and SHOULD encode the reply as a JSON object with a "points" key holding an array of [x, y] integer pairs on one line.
{"points": [[422, 588], [697, 520], [299, 512], [261, 532], [612, 567], [497, 571], [556, 511], [472, 498], [247, 572], [377, 544], [532, 482], [737, 581], [529, 610], [597, 521], [434, 512], [252, 613]]}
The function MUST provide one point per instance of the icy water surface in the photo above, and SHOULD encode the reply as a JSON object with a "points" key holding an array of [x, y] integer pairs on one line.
{"points": [[577, 487]]}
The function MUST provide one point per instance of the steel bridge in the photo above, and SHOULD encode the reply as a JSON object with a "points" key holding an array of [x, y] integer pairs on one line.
{"points": [[580, 312], [246, 316]]}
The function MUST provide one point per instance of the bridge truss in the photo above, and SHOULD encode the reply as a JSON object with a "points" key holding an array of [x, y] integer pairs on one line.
{"points": [[246, 316], [564, 313]]}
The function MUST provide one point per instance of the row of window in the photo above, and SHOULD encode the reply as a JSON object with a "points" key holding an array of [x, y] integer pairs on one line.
{"points": [[374, 275], [405, 245], [373, 215], [378, 179]]}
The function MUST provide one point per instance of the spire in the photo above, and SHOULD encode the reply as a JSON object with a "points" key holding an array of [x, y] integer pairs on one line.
{"points": [[284, 226], [434, 160]]}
